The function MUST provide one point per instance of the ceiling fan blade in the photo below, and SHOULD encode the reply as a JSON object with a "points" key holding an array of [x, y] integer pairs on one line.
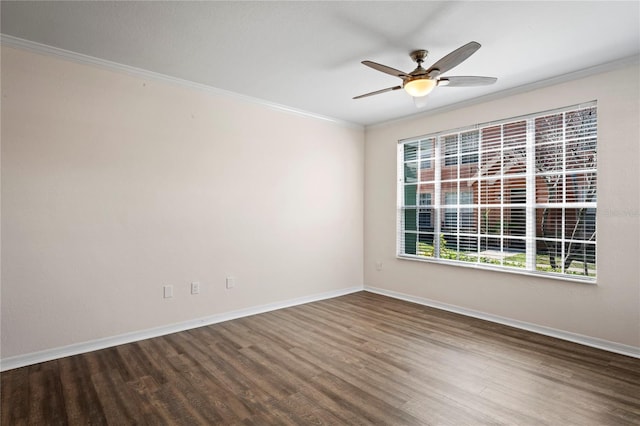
{"points": [[385, 69], [454, 58], [466, 81], [377, 92]]}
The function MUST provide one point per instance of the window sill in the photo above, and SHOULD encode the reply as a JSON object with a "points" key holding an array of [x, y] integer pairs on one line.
{"points": [[480, 266]]}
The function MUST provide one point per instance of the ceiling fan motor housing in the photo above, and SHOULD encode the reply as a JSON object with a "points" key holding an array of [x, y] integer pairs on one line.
{"points": [[419, 55]]}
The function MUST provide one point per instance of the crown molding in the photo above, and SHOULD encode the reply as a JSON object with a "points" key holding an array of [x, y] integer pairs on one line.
{"points": [[32, 46], [597, 69]]}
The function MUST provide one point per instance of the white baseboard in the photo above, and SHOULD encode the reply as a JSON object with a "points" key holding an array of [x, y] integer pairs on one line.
{"points": [[107, 342], [606, 345], [93, 345]]}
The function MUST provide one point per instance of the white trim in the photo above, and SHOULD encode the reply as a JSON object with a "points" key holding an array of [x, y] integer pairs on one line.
{"points": [[19, 43], [107, 342], [499, 268], [531, 194], [619, 348], [445, 209]]}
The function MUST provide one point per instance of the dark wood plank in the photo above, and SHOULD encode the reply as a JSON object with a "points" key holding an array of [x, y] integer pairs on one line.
{"points": [[357, 359], [16, 400], [82, 403], [46, 396]]}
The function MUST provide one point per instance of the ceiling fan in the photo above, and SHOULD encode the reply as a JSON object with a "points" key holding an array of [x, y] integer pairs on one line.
{"points": [[420, 82]]}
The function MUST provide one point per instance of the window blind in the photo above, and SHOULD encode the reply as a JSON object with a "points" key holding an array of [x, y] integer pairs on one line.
{"points": [[517, 194]]}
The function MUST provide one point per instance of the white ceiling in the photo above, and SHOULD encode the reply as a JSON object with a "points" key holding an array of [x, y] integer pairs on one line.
{"points": [[306, 55]]}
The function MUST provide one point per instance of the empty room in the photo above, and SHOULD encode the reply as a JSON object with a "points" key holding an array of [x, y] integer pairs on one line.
{"points": [[320, 212]]}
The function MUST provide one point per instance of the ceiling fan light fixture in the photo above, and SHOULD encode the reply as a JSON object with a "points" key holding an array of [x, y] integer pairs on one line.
{"points": [[420, 82], [419, 87]]}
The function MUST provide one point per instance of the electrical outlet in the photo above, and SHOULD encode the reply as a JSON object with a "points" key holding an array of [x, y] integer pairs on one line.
{"points": [[195, 287], [378, 265], [167, 291], [231, 282]]}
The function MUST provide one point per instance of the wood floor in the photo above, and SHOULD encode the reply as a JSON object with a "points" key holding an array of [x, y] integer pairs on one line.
{"points": [[356, 359]]}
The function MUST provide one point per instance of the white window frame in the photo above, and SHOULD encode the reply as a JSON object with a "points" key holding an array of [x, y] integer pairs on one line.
{"points": [[531, 204]]}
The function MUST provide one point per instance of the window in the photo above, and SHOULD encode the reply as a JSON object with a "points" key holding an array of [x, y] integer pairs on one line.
{"points": [[517, 194]]}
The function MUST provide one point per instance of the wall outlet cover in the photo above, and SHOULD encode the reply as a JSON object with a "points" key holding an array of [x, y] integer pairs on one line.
{"points": [[231, 282], [167, 291]]}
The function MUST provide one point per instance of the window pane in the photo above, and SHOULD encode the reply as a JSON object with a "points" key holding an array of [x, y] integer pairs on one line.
{"points": [[581, 259], [410, 223], [469, 147], [514, 160], [548, 256], [410, 172], [450, 218], [467, 220], [426, 153], [581, 154], [463, 206], [490, 221], [516, 224], [580, 224], [550, 223], [491, 139], [549, 157], [580, 123], [491, 164], [449, 246], [410, 195], [490, 191], [580, 187], [549, 188], [515, 134], [425, 220], [425, 244], [468, 245], [548, 128], [411, 151], [451, 212], [410, 243], [449, 173], [467, 214], [451, 150]]}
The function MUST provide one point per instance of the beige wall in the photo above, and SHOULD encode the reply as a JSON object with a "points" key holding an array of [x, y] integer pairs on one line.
{"points": [[609, 310], [113, 186]]}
